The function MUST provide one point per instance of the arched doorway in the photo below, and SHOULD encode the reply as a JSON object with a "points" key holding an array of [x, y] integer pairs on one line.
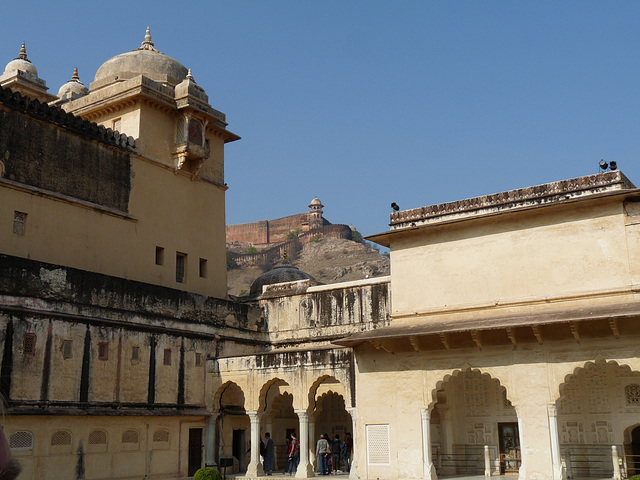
{"points": [[472, 411], [598, 408], [329, 416], [632, 448], [279, 418], [232, 437]]}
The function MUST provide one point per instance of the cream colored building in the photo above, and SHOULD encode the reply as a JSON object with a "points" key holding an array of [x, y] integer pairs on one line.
{"points": [[169, 230], [505, 340]]}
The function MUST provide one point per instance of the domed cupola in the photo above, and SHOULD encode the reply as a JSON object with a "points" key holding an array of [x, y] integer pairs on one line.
{"points": [[189, 88], [315, 214], [20, 75], [155, 99], [22, 63], [283, 272], [145, 60], [71, 90]]}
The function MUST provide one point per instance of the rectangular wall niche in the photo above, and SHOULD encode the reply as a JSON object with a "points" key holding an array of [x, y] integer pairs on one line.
{"points": [[19, 222], [181, 265], [378, 445]]}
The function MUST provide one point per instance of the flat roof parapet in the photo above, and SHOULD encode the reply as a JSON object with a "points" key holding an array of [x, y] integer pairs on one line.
{"points": [[547, 193]]}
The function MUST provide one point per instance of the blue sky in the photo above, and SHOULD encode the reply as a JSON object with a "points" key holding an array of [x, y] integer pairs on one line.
{"points": [[364, 103]]}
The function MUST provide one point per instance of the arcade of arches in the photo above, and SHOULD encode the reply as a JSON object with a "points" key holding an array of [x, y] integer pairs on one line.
{"points": [[237, 429], [482, 420]]}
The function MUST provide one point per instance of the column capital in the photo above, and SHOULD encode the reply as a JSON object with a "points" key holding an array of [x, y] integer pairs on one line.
{"points": [[552, 410], [425, 413], [255, 416], [302, 413], [351, 411]]}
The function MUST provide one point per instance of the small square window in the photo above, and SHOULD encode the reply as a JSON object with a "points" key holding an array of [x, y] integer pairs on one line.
{"points": [[117, 125], [203, 268], [67, 349], [103, 351], [19, 223], [135, 354], [198, 359], [181, 262], [159, 256], [167, 356], [29, 344]]}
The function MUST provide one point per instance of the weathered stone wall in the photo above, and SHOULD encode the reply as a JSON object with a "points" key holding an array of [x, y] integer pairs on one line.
{"points": [[296, 312], [59, 154], [101, 341]]}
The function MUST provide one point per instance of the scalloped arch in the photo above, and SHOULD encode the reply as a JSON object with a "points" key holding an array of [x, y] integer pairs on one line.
{"points": [[598, 360], [264, 391], [313, 390], [447, 377], [226, 387]]}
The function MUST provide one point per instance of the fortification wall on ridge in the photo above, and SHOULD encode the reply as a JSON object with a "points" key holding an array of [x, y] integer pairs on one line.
{"points": [[267, 231], [274, 254]]}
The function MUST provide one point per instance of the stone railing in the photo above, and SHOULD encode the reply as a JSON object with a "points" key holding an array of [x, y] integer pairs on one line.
{"points": [[512, 199]]}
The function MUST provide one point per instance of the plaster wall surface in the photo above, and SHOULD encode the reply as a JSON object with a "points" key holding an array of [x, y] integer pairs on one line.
{"points": [[117, 457], [119, 206], [533, 376], [561, 255]]}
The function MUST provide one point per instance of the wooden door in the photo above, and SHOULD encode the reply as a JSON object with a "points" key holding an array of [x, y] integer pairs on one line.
{"points": [[509, 439], [195, 450]]}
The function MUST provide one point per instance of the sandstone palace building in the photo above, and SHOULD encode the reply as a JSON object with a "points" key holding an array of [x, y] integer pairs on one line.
{"points": [[505, 341]]}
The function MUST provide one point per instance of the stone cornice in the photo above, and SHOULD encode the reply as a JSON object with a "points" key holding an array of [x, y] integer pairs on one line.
{"points": [[127, 93], [120, 95], [539, 195]]}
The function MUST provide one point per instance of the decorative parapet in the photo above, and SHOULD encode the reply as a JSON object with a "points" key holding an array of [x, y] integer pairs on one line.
{"points": [[302, 311], [296, 287], [69, 121], [538, 195]]}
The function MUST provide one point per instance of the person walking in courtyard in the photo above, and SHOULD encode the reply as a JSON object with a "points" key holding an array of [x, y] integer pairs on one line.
{"points": [[268, 454], [322, 449], [295, 454], [347, 448], [287, 467], [335, 453]]}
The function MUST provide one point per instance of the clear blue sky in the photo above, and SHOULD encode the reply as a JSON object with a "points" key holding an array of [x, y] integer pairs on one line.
{"points": [[364, 103]]}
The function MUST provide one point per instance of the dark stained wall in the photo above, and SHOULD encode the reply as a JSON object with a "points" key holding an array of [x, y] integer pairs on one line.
{"points": [[44, 147]]}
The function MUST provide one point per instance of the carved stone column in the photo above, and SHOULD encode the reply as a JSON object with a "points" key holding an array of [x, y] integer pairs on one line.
{"points": [[428, 469], [312, 441], [523, 452], [487, 462], [305, 469], [552, 412], [210, 439], [353, 472], [255, 468], [616, 463], [446, 437]]}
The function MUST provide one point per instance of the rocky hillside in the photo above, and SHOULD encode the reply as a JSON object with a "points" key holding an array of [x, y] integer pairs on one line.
{"points": [[329, 260]]}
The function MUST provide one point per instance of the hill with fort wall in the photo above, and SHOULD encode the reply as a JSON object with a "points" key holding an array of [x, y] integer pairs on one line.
{"points": [[272, 238]]}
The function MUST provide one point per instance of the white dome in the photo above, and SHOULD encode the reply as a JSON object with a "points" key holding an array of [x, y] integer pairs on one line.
{"points": [[21, 63], [146, 61], [74, 88]]}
